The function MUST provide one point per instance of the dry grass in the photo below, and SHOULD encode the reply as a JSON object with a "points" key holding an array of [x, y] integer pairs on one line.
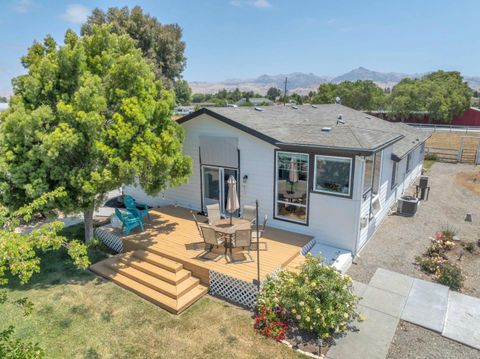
{"points": [[79, 315], [452, 140], [469, 180]]}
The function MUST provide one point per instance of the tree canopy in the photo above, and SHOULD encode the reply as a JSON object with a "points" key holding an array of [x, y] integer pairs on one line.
{"points": [[161, 44], [360, 95], [183, 93], [88, 116], [443, 95], [273, 93]]}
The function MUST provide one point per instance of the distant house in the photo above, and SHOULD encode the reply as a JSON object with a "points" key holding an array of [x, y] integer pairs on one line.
{"points": [[255, 101], [183, 110], [327, 171]]}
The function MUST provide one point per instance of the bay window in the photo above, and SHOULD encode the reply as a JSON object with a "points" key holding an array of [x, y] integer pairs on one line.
{"points": [[291, 186], [333, 175]]}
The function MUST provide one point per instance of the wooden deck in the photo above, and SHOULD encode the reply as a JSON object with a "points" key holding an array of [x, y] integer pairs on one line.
{"points": [[172, 234]]}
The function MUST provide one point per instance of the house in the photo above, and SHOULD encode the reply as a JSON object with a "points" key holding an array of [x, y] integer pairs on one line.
{"points": [[255, 101], [326, 171]]}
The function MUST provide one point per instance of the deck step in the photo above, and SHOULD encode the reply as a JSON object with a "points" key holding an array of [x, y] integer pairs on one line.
{"points": [[174, 278], [158, 260], [172, 297]]}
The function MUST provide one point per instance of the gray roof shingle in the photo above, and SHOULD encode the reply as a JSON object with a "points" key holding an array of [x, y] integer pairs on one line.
{"points": [[303, 126]]}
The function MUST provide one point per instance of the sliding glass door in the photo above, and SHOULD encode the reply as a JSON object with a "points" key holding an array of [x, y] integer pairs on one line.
{"points": [[215, 187]]}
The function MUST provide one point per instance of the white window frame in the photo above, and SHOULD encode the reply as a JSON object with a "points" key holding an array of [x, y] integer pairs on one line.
{"points": [[277, 201], [331, 192], [394, 176]]}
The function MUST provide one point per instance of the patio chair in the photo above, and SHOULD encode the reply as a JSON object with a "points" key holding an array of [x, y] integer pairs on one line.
{"points": [[210, 237], [196, 223], [261, 231], [249, 213], [139, 210], [129, 221], [242, 238], [213, 213]]}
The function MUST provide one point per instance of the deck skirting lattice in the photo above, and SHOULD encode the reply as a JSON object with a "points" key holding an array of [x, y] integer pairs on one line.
{"points": [[110, 239], [307, 247], [233, 289]]}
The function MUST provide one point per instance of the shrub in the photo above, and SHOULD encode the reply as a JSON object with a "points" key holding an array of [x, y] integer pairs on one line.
{"points": [[470, 246], [450, 275], [449, 232], [429, 264], [269, 323], [317, 298], [431, 157]]}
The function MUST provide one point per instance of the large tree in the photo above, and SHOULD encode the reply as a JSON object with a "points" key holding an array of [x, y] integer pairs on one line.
{"points": [[88, 116], [19, 257], [161, 44], [443, 95], [183, 93], [360, 95]]}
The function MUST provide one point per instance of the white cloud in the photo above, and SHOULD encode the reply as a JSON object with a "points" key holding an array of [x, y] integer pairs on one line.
{"points": [[256, 3], [261, 3], [76, 13], [22, 6]]}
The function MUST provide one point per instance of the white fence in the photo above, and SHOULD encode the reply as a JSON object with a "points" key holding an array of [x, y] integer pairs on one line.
{"points": [[445, 128]]}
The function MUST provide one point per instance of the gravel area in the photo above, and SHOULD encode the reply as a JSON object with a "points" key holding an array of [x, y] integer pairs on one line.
{"points": [[413, 342], [399, 239]]}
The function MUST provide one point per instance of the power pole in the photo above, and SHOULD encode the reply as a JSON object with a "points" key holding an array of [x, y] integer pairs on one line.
{"points": [[285, 92]]}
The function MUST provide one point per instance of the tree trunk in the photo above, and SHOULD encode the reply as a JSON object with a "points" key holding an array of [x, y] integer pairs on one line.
{"points": [[88, 219]]}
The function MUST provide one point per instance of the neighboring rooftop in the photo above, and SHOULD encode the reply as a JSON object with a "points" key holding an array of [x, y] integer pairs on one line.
{"points": [[255, 100], [331, 126]]}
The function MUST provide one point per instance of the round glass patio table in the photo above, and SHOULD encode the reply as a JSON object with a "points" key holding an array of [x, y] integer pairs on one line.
{"points": [[223, 226]]}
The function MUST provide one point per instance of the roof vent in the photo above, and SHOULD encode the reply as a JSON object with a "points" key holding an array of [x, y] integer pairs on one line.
{"points": [[295, 107], [314, 106], [326, 129], [258, 108], [338, 100], [340, 119]]}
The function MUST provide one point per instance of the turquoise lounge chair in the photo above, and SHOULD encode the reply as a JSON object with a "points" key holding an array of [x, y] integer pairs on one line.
{"points": [[129, 222], [139, 210]]}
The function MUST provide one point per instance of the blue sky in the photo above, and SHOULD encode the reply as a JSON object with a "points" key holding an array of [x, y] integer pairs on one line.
{"points": [[246, 38]]}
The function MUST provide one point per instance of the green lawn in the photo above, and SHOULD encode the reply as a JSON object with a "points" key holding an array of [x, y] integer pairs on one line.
{"points": [[427, 164], [79, 315]]}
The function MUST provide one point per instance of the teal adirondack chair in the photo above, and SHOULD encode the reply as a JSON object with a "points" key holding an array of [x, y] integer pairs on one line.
{"points": [[133, 207], [129, 222]]}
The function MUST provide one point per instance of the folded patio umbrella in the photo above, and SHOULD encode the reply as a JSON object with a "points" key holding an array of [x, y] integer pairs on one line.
{"points": [[292, 173], [232, 199]]}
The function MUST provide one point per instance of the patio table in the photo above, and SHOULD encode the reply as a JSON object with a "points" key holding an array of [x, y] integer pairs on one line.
{"points": [[224, 227]]}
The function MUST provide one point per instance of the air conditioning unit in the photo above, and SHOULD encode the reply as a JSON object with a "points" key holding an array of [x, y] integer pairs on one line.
{"points": [[407, 206]]}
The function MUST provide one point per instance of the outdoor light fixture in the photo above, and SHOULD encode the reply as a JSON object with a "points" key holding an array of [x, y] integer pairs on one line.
{"points": [[245, 178]]}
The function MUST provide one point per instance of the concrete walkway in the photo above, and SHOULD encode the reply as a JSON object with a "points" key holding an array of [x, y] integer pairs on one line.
{"points": [[392, 296]]}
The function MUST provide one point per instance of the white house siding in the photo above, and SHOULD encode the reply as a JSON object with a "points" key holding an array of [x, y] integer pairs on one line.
{"points": [[388, 195], [332, 220]]}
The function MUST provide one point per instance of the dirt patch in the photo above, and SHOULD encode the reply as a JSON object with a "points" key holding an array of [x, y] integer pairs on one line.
{"points": [[469, 180]]}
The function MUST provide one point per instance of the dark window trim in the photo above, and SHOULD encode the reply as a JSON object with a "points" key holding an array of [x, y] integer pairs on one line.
{"points": [[408, 163], [352, 176], [306, 223]]}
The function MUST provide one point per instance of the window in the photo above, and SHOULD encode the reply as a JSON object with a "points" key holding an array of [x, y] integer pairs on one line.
{"points": [[371, 180], [422, 148], [409, 162], [367, 180], [333, 175], [377, 172], [291, 186], [393, 181]]}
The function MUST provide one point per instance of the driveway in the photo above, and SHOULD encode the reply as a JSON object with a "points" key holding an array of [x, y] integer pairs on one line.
{"points": [[400, 239]]}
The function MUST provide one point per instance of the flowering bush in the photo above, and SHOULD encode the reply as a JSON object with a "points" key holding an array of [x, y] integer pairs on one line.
{"points": [[317, 298], [269, 323], [442, 242]]}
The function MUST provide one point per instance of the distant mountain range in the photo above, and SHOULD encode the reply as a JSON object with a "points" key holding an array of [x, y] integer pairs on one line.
{"points": [[302, 83]]}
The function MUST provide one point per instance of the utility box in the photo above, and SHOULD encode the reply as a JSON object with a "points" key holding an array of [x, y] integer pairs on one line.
{"points": [[407, 206], [423, 182]]}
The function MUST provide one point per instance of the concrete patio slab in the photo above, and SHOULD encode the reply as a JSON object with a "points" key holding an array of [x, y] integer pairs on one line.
{"points": [[426, 305], [372, 339], [383, 301], [391, 281], [463, 319], [359, 288]]}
